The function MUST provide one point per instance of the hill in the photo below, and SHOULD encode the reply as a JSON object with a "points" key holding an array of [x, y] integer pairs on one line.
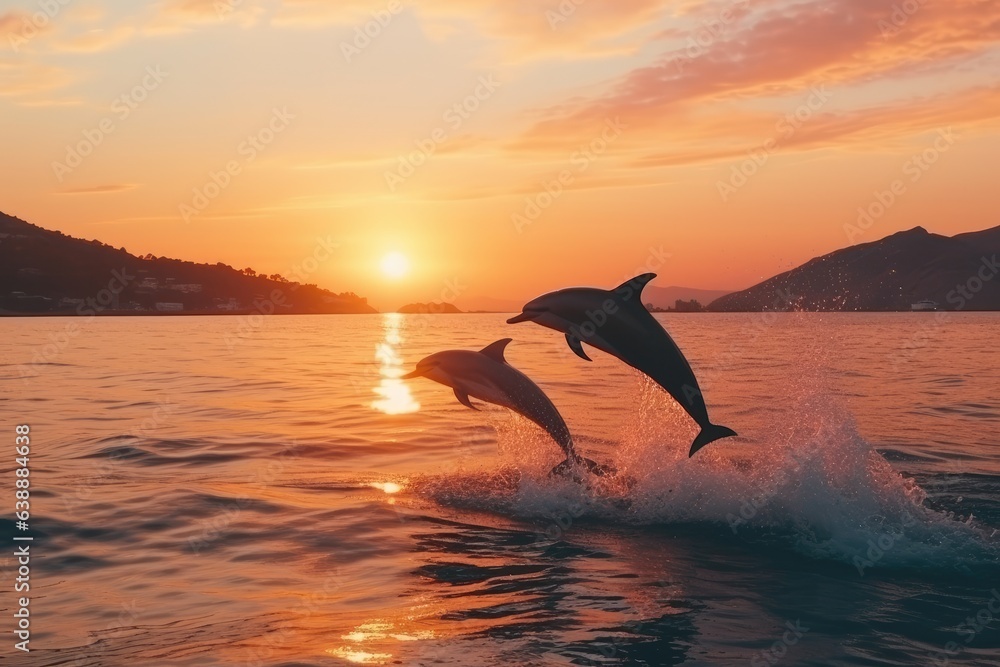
{"points": [[667, 297], [429, 309], [44, 271], [489, 304], [661, 298], [958, 273]]}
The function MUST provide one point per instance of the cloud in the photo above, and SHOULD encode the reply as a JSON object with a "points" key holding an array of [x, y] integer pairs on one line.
{"points": [[98, 189], [533, 189], [19, 28], [315, 13], [94, 40], [874, 126], [54, 102], [70, 29], [12, 22], [26, 78], [772, 55], [523, 28], [183, 15]]}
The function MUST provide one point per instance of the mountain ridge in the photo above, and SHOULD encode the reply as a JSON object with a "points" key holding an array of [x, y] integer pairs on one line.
{"points": [[890, 274], [48, 272]]}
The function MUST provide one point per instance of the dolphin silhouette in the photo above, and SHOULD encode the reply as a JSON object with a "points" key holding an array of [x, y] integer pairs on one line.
{"points": [[486, 375], [616, 322]]}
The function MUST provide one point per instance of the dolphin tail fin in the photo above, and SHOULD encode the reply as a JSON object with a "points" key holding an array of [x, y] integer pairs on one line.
{"points": [[568, 468], [708, 434]]}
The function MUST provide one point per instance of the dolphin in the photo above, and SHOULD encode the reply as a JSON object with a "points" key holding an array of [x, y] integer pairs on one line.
{"points": [[486, 375], [616, 322]]}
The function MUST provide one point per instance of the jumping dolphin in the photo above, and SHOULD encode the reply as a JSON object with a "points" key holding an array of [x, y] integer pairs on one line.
{"points": [[486, 375], [616, 322]]}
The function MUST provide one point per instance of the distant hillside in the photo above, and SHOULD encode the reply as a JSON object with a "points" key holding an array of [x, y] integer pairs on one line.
{"points": [[43, 271], [429, 309], [661, 297], [489, 304], [667, 297], [957, 272]]}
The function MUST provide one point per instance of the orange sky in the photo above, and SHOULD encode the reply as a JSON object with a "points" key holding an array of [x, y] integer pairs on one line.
{"points": [[437, 134]]}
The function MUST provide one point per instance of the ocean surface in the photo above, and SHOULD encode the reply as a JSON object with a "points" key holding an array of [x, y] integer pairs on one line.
{"points": [[267, 491]]}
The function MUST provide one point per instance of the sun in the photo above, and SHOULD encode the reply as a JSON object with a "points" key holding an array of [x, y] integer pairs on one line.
{"points": [[395, 265]]}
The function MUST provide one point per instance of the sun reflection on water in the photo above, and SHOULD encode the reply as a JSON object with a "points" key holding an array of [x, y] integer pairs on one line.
{"points": [[361, 657], [387, 487], [367, 642], [394, 394]]}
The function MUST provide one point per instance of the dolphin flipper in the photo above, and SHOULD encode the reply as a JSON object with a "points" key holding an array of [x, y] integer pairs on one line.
{"points": [[577, 347], [463, 398]]}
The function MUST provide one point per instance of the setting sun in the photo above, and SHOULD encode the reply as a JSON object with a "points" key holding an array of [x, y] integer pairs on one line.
{"points": [[395, 265]]}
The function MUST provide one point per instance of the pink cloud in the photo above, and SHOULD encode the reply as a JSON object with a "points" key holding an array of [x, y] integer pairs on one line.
{"points": [[775, 52], [98, 189]]}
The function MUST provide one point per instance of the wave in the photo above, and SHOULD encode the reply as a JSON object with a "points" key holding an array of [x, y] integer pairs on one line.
{"points": [[811, 484]]}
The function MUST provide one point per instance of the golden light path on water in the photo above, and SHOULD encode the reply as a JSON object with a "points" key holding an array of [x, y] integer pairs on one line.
{"points": [[387, 487], [394, 394], [370, 642], [367, 643]]}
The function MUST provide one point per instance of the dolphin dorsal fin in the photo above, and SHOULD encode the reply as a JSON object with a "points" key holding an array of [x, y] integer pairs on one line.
{"points": [[495, 350], [636, 284]]}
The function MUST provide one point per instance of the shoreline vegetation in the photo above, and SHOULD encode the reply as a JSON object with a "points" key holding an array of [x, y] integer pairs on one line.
{"points": [[246, 313], [49, 274], [45, 272]]}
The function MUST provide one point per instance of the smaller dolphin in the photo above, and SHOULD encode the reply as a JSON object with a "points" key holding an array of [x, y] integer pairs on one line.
{"points": [[616, 322], [486, 375]]}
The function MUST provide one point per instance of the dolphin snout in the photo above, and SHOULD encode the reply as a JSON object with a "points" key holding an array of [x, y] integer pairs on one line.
{"points": [[523, 317], [412, 374]]}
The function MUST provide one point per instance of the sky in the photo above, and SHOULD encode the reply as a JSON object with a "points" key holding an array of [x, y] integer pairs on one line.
{"points": [[503, 147]]}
